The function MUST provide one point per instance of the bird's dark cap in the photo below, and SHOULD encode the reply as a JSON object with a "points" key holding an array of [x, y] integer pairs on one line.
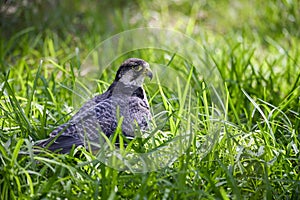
{"points": [[134, 61], [131, 62]]}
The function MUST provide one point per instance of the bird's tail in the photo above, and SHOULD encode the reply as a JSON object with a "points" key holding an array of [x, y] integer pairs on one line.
{"points": [[61, 144]]}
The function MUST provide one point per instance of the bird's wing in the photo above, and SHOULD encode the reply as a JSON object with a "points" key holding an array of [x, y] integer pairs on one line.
{"points": [[86, 114], [83, 123]]}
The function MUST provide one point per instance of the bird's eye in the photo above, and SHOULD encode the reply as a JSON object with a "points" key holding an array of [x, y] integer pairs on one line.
{"points": [[137, 68]]}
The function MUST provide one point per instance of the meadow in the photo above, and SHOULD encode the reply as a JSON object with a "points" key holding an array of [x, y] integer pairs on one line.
{"points": [[253, 44]]}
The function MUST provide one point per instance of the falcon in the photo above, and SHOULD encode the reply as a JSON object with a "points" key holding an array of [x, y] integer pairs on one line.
{"points": [[124, 102]]}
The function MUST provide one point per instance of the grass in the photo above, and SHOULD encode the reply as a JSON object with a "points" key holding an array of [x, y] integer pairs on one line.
{"points": [[256, 154]]}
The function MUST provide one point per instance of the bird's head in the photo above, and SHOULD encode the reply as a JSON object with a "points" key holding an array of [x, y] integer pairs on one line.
{"points": [[133, 72]]}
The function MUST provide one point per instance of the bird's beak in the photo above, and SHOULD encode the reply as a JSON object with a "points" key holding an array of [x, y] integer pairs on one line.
{"points": [[148, 72]]}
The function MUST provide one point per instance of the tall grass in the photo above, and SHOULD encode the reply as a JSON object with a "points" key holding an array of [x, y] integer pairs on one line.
{"points": [[256, 155]]}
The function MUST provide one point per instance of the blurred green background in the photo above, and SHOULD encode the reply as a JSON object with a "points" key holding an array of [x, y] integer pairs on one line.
{"points": [[76, 20]]}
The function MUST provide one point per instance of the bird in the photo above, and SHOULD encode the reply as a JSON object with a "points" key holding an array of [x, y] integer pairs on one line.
{"points": [[125, 100]]}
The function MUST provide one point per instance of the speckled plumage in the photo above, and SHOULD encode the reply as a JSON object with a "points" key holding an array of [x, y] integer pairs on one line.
{"points": [[125, 99]]}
